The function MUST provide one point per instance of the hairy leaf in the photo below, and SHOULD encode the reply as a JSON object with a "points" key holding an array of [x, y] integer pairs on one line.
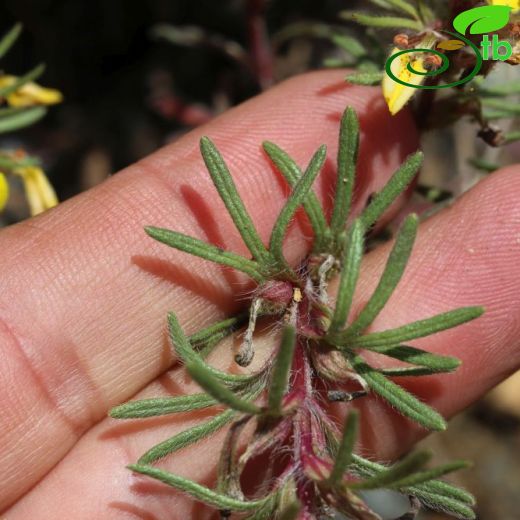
{"points": [[344, 453], [229, 195], [297, 197], [202, 493], [409, 465], [398, 397], [210, 252], [391, 276], [394, 187], [161, 406], [348, 148], [351, 263], [292, 174], [418, 329]]}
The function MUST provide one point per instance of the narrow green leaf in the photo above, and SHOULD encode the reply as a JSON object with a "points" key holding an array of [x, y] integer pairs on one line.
{"points": [[187, 437], [350, 266], [391, 276], [185, 352], [21, 118], [409, 372], [440, 487], [292, 174], [398, 5], [365, 78], [507, 89], [368, 468], [394, 187], [493, 115], [337, 63], [348, 148], [512, 137], [299, 194], [410, 464], [417, 329], [508, 107], [9, 39], [398, 397], [161, 406], [445, 504], [281, 370], [204, 377], [483, 165], [424, 476], [416, 356], [229, 194], [22, 80], [204, 340], [349, 44], [202, 493], [197, 247], [391, 22], [266, 511], [344, 453]]}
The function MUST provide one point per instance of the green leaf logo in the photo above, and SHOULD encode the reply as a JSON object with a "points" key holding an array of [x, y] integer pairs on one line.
{"points": [[481, 20]]}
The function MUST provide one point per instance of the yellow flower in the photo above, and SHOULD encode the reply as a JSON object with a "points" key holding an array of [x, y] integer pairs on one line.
{"points": [[38, 190], [4, 191], [395, 94], [30, 94], [514, 4]]}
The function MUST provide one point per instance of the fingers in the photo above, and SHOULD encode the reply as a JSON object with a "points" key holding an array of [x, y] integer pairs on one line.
{"points": [[465, 255], [84, 292]]}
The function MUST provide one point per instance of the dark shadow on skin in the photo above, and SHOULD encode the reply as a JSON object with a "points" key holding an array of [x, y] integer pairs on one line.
{"points": [[300, 217], [370, 124], [49, 383], [208, 222], [134, 511], [183, 277], [147, 487], [333, 88]]}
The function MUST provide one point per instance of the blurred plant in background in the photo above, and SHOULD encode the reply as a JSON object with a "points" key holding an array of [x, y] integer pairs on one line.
{"points": [[22, 103]]}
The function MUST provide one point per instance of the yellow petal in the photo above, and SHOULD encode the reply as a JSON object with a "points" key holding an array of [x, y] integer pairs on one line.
{"points": [[514, 4], [38, 190], [395, 94], [45, 188], [30, 94], [4, 191]]}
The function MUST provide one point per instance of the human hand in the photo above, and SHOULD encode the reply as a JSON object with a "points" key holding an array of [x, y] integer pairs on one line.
{"points": [[84, 297]]}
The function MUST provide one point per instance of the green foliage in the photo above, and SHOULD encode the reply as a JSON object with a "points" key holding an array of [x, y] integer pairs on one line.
{"points": [[308, 323], [389, 22], [365, 78], [12, 119]]}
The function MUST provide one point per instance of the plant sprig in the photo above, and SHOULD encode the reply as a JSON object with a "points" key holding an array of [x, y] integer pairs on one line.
{"points": [[285, 397]]}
